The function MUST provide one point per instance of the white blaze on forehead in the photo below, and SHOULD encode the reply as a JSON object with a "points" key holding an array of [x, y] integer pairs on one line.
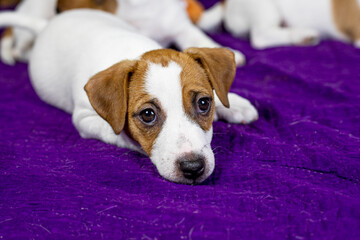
{"points": [[179, 134], [164, 84]]}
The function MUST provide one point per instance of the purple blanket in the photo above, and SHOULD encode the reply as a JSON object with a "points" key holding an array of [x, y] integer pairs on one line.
{"points": [[293, 174]]}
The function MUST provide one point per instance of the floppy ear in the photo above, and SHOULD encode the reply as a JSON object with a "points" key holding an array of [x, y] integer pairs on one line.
{"points": [[108, 93], [219, 65]]}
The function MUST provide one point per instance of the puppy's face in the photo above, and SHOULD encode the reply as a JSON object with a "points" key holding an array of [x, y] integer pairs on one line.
{"points": [[170, 110]]}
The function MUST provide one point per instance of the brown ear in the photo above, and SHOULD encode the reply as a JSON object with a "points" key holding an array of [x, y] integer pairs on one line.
{"points": [[219, 64], [108, 93]]}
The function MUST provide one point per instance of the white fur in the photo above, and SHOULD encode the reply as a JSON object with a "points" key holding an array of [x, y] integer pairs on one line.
{"points": [[165, 21], [6, 47], [357, 44], [211, 19], [179, 134], [78, 44], [19, 45], [307, 21], [61, 65], [240, 111]]}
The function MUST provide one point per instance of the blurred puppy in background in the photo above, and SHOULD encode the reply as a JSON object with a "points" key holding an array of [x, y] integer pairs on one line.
{"points": [[272, 23], [165, 21]]}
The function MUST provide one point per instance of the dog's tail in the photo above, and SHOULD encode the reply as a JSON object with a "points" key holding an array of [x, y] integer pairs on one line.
{"points": [[212, 18], [15, 19]]}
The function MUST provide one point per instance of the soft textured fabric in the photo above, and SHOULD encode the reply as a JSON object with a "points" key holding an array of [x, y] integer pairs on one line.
{"points": [[293, 174]]}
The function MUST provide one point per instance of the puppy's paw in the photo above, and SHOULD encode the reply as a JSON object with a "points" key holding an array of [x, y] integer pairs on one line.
{"points": [[357, 43], [305, 37], [240, 59], [6, 52], [240, 111], [7, 58]]}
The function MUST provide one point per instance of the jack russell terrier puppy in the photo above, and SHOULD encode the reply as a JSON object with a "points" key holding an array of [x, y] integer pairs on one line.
{"points": [[305, 21], [123, 89], [165, 21]]}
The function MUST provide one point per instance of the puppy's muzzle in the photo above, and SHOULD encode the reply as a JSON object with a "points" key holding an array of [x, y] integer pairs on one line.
{"points": [[192, 166]]}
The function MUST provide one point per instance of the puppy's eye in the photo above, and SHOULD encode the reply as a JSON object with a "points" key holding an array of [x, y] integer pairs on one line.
{"points": [[148, 116], [204, 105]]}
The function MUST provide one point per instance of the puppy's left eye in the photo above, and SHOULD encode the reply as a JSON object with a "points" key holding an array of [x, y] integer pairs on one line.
{"points": [[204, 105], [148, 116]]}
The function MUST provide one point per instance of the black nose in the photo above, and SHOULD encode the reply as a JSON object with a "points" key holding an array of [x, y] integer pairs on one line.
{"points": [[192, 166]]}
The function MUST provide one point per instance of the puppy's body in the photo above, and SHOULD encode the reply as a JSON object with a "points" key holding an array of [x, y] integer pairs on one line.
{"points": [[305, 20], [84, 57], [137, 95]]}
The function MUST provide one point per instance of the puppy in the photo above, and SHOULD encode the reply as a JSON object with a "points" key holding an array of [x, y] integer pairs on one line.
{"points": [[305, 21], [165, 21], [157, 101]]}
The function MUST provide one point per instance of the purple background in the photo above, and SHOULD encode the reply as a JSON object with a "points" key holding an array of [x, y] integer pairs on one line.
{"points": [[293, 174]]}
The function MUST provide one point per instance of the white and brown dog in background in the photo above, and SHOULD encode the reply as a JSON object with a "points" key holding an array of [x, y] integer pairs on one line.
{"points": [[165, 21], [272, 23], [123, 89]]}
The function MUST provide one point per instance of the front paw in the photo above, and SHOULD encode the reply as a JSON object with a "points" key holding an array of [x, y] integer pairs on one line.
{"points": [[240, 59], [305, 37], [357, 43], [240, 111], [6, 52]]}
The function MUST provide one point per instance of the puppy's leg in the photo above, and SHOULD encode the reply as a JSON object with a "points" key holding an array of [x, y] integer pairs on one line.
{"points": [[240, 111], [267, 31], [6, 46], [265, 37], [192, 36], [91, 125], [24, 41]]}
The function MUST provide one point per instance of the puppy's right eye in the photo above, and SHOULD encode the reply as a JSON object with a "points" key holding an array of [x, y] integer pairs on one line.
{"points": [[148, 116]]}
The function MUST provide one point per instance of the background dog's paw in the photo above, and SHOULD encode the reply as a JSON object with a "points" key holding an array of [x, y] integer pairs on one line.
{"points": [[240, 111], [6, 52], [240, 59], [305, 37], [357, 43], [7, 58]]}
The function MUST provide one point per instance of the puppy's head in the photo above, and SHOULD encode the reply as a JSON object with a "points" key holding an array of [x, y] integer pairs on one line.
{"points": [[165, 102]]}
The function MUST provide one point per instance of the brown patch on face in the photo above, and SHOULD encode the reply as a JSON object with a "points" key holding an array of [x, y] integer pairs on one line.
{"points": [[195, 82], [104, 5], [346, 15], [140, 100], [118, 94], [195, 85]]}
